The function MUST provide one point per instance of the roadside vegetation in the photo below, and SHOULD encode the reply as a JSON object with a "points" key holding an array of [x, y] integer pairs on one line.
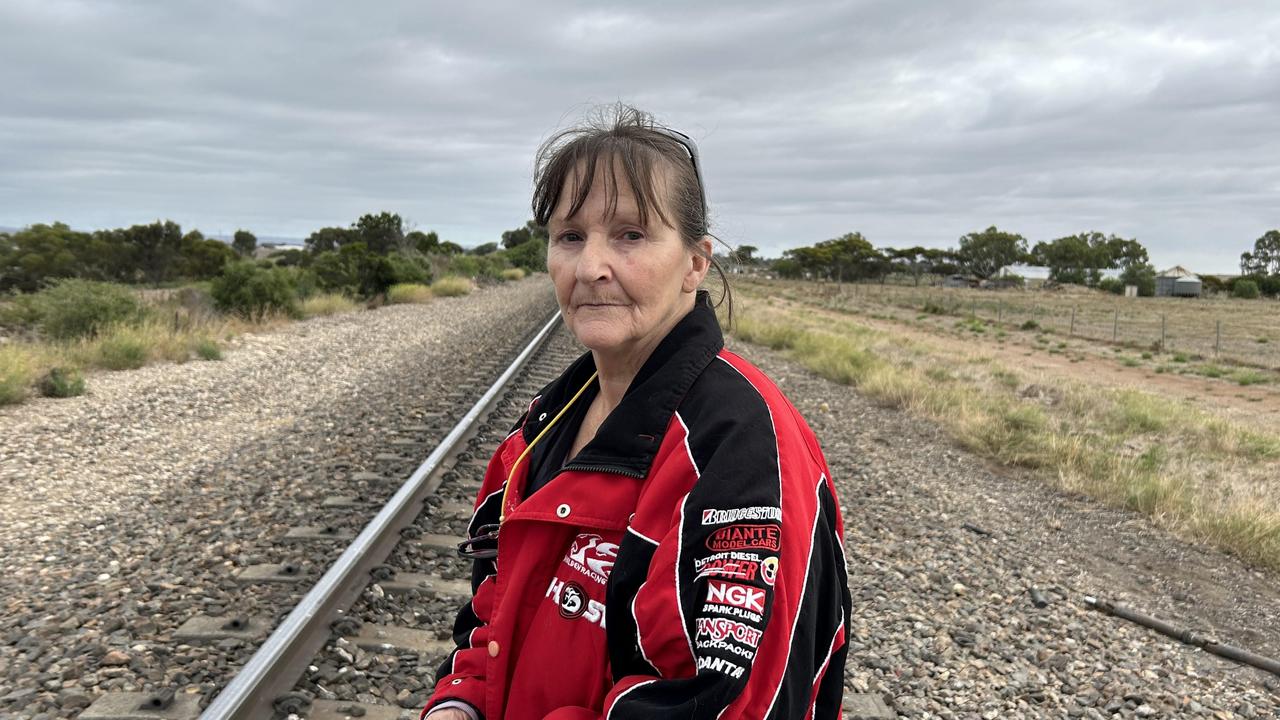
{"points": [[74, 302], [1198, 474]]}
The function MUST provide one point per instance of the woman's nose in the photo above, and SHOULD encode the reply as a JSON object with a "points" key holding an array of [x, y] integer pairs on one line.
{"points": [[594, 262]]}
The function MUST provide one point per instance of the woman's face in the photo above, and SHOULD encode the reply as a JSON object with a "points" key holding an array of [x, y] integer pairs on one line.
{"points": [[621, 285]]}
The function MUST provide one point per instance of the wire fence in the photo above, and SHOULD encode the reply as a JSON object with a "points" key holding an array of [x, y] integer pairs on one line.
{"points": [[1242, 332]]}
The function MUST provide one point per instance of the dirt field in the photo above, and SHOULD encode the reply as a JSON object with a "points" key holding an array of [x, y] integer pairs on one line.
{"points": [[1229, 331]]}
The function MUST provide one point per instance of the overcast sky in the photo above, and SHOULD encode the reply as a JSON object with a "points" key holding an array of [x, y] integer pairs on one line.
{"points": [[913, 123]]}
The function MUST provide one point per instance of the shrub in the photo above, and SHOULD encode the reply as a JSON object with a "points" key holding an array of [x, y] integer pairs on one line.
{"points": [[513, 274], [17, 370], [122, 350], [1245, 289], [409, 293], [530, 256], [451, 285], [354, 270], [207, 349], [1029, 325], [1111, 285], [62, 382], [405, 269], [327, 304], [81, 308], [933, 308], [247, 290]]}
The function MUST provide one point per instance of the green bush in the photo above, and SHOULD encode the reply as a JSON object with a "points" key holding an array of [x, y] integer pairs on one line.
{"points": [[353, 270], [75, 308], [1111, 285], [247, 290], [122, 351], [408, 270], [62, 382], [530, 256], [1245, 289], [208, 349]]}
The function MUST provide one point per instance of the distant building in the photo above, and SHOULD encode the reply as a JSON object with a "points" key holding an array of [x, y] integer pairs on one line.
{"points": [[1178, 281]]}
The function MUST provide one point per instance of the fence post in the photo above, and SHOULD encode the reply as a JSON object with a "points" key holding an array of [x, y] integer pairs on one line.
{"points": [[1115, 326], [1162, 347], [1217, 339], [1073, 322]]}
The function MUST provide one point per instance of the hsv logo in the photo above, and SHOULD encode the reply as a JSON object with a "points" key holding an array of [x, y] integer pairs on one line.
{"points": [[735, 595], [743, 537], [719, 629], [769, 570], [592, 556], [573, 602]]}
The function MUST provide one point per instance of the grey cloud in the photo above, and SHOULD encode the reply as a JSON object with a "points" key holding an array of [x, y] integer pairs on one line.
{"points": [[912, 122]]}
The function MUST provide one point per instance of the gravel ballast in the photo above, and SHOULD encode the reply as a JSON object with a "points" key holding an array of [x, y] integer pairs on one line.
{"points": [[127, 511]]}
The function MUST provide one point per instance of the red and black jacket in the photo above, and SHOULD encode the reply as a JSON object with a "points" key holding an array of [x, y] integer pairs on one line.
{"points": [[687, 563]]}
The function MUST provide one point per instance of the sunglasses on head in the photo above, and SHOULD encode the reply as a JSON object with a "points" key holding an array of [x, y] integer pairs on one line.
{"points": [[692, 147]]}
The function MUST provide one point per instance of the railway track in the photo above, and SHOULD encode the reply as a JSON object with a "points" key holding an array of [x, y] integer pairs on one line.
{"points": [[365, 640]]}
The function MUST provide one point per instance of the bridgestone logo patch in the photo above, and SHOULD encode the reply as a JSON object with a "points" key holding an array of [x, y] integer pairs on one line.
{"points": [[745, 537], [719, 517]]}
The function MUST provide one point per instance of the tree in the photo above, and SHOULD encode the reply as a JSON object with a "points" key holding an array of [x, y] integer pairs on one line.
{"points": [[381, 233], [747, 254], [484, 249], [244, 243], [1143, 275], [159, 246], [423, 242], [329, 239], [1265, 258], [520, 236], [451, 248], [986, 253]]}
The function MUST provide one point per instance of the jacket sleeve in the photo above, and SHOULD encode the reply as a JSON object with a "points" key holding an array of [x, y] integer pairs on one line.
{"points": [[751, 574], [460, 677], [715, 575]]}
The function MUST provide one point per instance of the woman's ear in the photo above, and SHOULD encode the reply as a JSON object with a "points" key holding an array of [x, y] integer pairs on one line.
{"points": [[700, 265]]}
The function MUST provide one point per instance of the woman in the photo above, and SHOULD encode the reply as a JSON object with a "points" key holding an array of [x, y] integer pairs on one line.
{"points": [[670, 540]]}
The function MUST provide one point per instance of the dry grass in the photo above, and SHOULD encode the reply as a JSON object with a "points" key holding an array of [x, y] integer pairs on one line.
{"points": [[1239, 330], [19, 367], [1191, 471], [451, 286], [327, 304], [513, 274], [409, 293]]}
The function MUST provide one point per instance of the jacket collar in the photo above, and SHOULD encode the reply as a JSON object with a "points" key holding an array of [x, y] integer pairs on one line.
{"points": [[628, 440]]}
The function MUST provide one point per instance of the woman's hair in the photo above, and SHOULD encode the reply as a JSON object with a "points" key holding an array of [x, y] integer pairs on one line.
{"points": [[622, 134]]}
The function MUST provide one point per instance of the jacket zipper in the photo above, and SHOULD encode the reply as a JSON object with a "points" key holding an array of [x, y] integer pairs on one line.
{"points": [[600, 468]]}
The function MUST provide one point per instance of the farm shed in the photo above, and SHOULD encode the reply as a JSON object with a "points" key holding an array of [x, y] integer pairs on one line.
{"points": [[1177, 281]]}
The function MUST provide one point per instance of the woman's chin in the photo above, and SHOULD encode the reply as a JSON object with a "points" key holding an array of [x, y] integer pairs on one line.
{"points": [[598, 337]]}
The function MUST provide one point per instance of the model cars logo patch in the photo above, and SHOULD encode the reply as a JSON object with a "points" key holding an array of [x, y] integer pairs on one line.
{"points": [[735, 595], [744, 537]]}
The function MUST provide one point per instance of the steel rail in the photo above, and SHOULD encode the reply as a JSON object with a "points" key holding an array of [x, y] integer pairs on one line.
{"points": [[275, 668]]}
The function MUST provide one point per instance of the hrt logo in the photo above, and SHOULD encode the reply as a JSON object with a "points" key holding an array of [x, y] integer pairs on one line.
{"points": [[573, 602], [735, 595], [592, 555]]}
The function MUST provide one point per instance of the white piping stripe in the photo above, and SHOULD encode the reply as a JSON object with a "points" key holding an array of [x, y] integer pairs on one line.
{"points": [[624, 694], [639, 635], [684, 627], [476, 512], [689, 451], [817, 515], [822, 670], [642, 536], [772, 426]]}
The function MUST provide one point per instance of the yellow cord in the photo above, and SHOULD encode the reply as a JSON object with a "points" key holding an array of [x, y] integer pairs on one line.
{"points": [[502, 514]]}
